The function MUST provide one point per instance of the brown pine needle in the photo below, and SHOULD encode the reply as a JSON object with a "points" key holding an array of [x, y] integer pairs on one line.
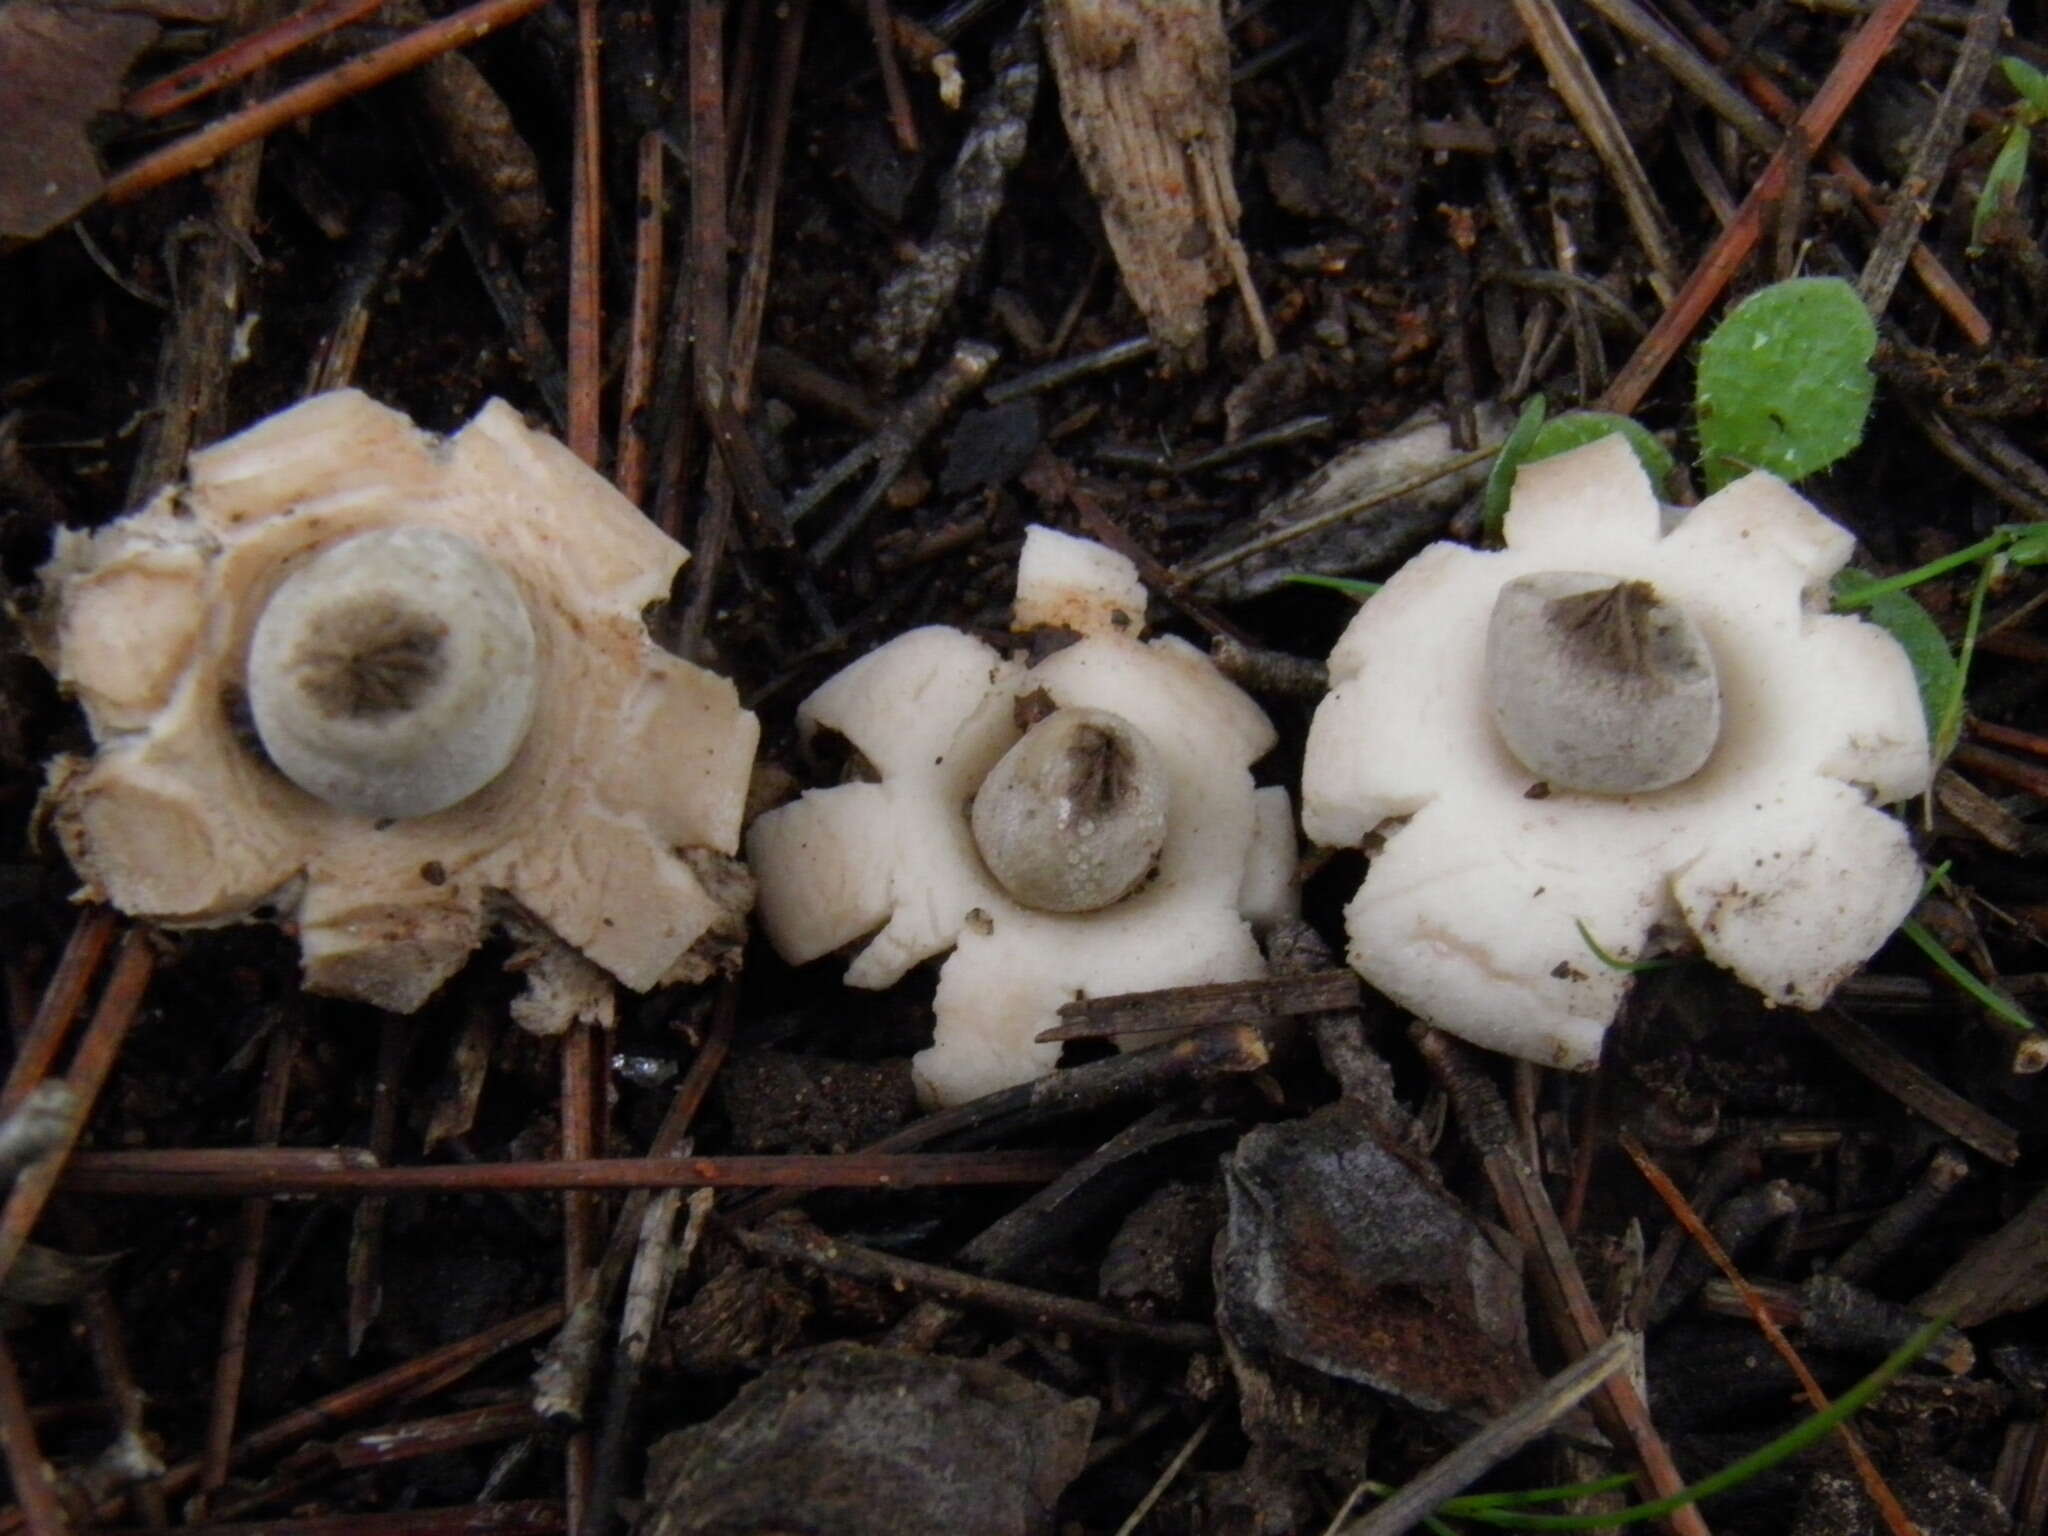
{"points": [[1895, 1517]]}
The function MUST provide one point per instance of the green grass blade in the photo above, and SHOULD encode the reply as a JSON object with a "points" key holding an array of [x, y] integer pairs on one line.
{"points": [[1964, 977], [1345, 584], [1793, 1441]]}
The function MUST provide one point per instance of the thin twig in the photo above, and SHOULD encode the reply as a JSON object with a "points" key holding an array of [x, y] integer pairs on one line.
{"points": [[1499, 1440], [1873, 1482], [97, 1049], [359, 74], [70, 983], [1575, 82], [1865, 49], [34, 1484], [586, 248], [636, 389], [807, 1246], [130, 1173], [1912, 200], [232, 1357], [245, 56]]}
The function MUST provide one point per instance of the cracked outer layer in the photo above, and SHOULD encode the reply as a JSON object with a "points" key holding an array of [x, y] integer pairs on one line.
{"points": [[635, 767], [1772, 855]]}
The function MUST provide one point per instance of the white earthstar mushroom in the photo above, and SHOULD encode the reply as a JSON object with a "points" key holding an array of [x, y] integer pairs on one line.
{"points": [[1604, 729], [393, 689], [1117, 844]]}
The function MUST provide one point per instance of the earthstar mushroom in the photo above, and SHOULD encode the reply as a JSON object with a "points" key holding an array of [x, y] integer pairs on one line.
{"points": [[1609, 730], [1084, 826], [393, 690]]}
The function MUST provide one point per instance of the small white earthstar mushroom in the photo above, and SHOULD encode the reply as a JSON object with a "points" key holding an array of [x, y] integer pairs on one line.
{"points": [[390, 689], [1605, 731], [1082, 827]]}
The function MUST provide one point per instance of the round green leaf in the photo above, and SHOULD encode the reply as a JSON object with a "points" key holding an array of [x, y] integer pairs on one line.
{"points": [[1785, 381]]}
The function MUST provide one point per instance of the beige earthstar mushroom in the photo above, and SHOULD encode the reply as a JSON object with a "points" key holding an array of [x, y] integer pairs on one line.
{"points": [[389, 689], [1081, 827], [1612, 733]]}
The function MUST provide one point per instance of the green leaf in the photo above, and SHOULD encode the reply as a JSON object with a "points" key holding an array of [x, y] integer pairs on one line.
{"points": [[1934, 665], [1785, 381], [1500, 480], [1574, 429], [1350, 588], [2002, 183], [2031, 84], [2029, 544]]}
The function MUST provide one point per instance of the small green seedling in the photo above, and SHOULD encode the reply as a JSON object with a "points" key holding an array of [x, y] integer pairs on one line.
{"points": [[2008, 173]]}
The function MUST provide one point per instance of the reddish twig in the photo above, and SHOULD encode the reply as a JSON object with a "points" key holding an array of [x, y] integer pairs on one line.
{"points": [[37, 1050], [1866, 47], [1940, 283], [201, 149], [430, 1437], [366, 1237], [1874, 1484], [245, 56], [643, 330], [232, 1359], [97, 1048], [34, 1484], [901, 119], [582, 1138], [407, 1381], [189, 1176], [586, 249], [752, 302]]}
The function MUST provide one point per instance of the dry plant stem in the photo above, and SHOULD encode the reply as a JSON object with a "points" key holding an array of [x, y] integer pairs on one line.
{"points": [[97, 1048], [231, 1360], [245, 56], [1862, 1048], [1912, 200], [1573, 79], [316, 95], [2005, 1272], [660, 1260], [36, 1052], [34, 1483], [701, 308], [2012, 771], [1499, 1440], [527, 1517], [1940, 284], [1895, 1517], [582, 1112], [1193, 575], [816, 1250], [750, 306], [1865, 49], [902, 121], [636, 388], [1144, 1075], [1217, 1002], [188, 1177], [429, 1373], [586, 248], [1170, 1473], [1525, 1205], [1688, 69], [389, 1443], [366, 1237]]}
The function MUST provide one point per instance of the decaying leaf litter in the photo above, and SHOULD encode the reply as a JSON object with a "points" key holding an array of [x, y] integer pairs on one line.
{"points": [[1168, 1268]]}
